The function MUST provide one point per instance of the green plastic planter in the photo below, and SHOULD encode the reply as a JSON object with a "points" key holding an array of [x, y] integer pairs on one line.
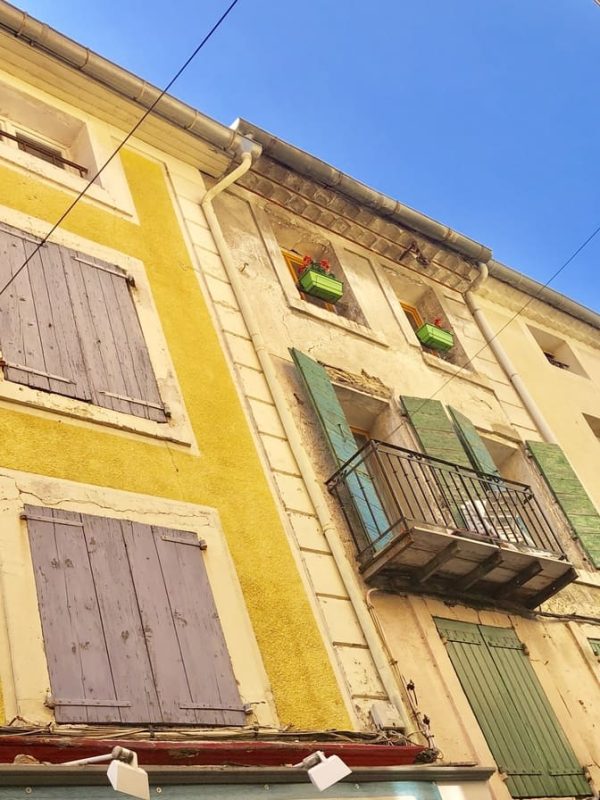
{"points": [[326, 287], [437, 338]]}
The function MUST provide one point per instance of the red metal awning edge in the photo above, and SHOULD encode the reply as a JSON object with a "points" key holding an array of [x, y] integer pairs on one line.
{"points": [[56, 749]]}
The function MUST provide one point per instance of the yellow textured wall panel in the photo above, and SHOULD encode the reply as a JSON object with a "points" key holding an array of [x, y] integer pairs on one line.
{"points": [[227, 474]]}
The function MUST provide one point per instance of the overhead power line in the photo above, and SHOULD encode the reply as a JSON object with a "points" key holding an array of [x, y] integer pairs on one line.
{"points": [[119, 147]]}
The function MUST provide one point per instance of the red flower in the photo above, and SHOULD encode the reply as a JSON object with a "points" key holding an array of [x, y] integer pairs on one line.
{"points": [[437, 322], [324, 264], [306, 261]]}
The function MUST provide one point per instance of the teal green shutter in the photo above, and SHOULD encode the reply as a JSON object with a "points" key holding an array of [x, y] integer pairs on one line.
{"points": [[595, 645], [434, 430], [341, 442], [473, 444], [574, 501], [519, 724]]}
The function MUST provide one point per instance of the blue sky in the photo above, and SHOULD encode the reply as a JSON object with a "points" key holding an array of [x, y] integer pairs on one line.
{"points": [[484, 115]]}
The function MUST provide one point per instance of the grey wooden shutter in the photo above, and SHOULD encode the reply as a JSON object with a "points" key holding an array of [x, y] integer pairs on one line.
{"points": [[192, 670], [116, 354], [574, 501], [76, 652], [473, 444], [339, 437], [595, 645], [517, 721], [38, 337], [130, 627]]}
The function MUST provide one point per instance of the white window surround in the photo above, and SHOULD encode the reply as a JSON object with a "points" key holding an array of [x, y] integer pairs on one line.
{"points": [[23, 668], [80, 138], [178, 428]]}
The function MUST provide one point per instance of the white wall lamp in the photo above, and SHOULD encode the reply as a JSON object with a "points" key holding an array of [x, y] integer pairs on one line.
{"points": [[323, 770], [123, 772]]}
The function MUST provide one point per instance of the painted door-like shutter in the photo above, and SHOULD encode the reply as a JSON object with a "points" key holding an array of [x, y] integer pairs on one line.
{"points": [[434, 430], [116, 355], [191, 666], [130, 627], [76, 652], [544, 735], [493, 706], [570, 495], [473, 444], [40, 346], [516, 719], [340, 439]]}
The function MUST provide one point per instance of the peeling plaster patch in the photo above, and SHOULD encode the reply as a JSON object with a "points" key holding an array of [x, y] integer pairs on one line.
{"points": [[363, 382]]}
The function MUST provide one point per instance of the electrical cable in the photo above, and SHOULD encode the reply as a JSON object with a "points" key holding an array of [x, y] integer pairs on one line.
{"points": [[533, 297], [115, 152]]}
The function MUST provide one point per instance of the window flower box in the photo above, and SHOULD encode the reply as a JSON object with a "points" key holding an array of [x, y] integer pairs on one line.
{"points": [[316, 280], [435, 337]]}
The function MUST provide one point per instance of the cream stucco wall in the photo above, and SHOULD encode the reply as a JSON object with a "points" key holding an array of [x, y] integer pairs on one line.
{"points": [[373, 364]]}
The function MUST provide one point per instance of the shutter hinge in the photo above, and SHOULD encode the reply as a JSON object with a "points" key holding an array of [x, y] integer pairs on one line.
{"points": [[130, 280]]}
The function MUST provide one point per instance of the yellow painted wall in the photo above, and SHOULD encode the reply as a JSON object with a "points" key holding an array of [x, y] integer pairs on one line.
{"points": [[227, 474]]}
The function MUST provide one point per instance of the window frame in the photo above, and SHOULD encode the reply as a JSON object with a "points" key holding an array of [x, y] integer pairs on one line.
{"points": [[17, 135], [23, 667], [178, 428], [412, 312]]}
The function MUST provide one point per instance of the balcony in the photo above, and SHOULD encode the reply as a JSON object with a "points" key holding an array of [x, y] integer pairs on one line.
{"points": [[423, 524]]}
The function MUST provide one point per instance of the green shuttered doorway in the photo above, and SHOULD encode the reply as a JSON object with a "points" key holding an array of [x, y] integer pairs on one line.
{"points": [[518, 723]]}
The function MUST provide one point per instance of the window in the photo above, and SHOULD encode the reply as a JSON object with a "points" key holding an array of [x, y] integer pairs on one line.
{"points": [[130, 627], [557, 352], [519, 724], [595, 645], [295, 266], [68, 325], [413, 316], [41, 149]]}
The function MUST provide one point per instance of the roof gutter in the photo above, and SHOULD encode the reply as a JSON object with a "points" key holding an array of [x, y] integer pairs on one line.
{"points": [[119, 80], [543, 293], [323, 173]]}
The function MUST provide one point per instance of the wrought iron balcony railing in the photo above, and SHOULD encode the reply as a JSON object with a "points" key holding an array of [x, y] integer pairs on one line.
{"points": [[471, 528]]}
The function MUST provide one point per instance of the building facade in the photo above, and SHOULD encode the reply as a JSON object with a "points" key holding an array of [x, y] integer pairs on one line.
{"points": [[236, 510]]}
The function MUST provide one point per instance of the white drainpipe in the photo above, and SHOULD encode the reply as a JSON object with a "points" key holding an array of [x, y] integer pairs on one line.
{"points": [[313, 485], [494, 344]]}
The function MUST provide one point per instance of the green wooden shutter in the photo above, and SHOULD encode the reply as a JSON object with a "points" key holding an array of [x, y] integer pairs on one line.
{"points": [[434, 430], [473, 444], [517, 721], [340, 439], [595, 645], [574, 501]]}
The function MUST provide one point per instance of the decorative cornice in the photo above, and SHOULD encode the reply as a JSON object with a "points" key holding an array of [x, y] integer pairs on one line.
{"points": [[335, 212]]}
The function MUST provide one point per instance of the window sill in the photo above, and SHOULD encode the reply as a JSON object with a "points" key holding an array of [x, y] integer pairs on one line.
{"points": [[64, 179], [58, 406], [451, 369], [333, 319]]}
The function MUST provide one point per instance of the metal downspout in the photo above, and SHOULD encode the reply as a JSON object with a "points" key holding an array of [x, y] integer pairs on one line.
{"points": [[494, 344], [313, 485]]}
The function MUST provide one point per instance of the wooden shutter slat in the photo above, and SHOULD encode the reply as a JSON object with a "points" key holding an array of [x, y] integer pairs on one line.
{"points": [[342, 445], [214, 694], [73, 634], [473, 444], [118, 608], [571, 496]]}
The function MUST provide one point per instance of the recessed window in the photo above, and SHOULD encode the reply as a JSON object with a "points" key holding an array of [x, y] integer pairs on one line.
{"points": [[31, 126], [594, 423], [69, 326], [557, 351], [295, 263]]}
